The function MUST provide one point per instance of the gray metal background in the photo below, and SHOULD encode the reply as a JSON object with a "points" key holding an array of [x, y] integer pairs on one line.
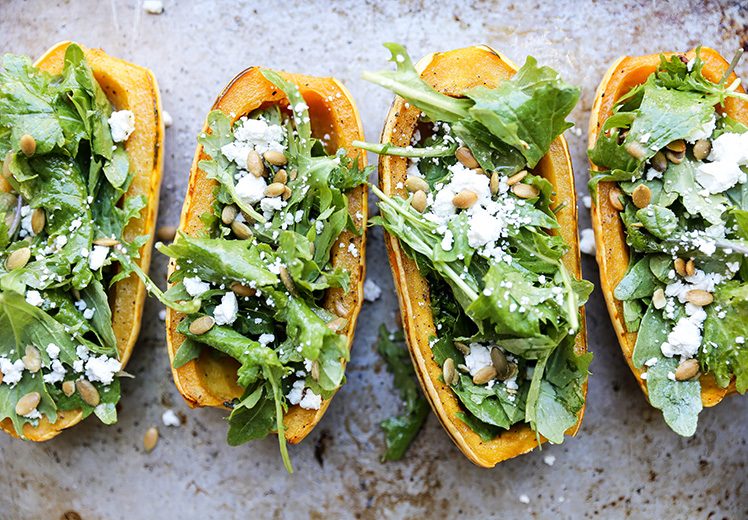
{"points": [[624, 463]]}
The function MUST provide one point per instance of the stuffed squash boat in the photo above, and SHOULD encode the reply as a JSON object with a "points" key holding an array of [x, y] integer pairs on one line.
{"points": [[477, 198], [669, 150], [81, 136], [272, 241]]}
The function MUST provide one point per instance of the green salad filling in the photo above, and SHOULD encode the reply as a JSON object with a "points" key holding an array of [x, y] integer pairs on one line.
{"points": [[482, 228], [63, 212], [680, 166], [263, 263]]}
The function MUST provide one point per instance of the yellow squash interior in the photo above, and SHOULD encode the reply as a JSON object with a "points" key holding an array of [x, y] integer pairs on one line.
{"points": [[453, 73], [133, 88], [610, 236], [210, 380]]}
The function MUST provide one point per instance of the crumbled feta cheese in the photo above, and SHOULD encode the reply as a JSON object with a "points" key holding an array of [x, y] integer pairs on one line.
{"points": [[353, 250], [168, 120], [587, 242], [271, 204], [162, 315], [122, 125], [53, 351], [729, 153], [478, 357], [88, 314], [27, 229], [57, 374], [97, 257], [524, 499], [310, 401], [34, 298], [12, 370], [587, 201], [253, 134], [251, 189], [102, 368], [372, 291], [296, 393], [225, 313], [169, 418], [153, 6], [194, 286], [549, 460], [684, 340], [266, 339]]}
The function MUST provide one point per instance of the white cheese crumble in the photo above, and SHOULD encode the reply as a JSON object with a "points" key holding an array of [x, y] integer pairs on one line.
{"points": [[12, 370], [57, 374], [34, 298], [253, 134], [587, 201], [97, 257], [251, 189], [153, 6], [102, 368], [225, 313], [169, 418], [587, 242], [310, 401], [296, 393], [524, 499], [26, 229], [372, 291], [266, 339], [168, 120], [729, 153], [549, 459], [478, 357], [195, 286], [122, 125]]}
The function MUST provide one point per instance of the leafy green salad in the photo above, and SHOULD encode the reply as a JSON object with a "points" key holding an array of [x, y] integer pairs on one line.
{"points": [[480, 225], [263, 263], [63, 212], [680, 166]]}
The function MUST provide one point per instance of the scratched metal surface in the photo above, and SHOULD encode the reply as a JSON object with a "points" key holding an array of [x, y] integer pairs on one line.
{"points": [[624, 462]]}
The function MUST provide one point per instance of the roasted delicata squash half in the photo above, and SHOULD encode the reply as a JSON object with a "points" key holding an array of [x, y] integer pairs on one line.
{"points": [[477, 197], [669, 149], [81, 135], [272, 242]]}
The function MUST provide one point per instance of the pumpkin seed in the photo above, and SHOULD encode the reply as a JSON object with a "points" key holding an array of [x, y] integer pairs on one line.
{"points": [[462, 368], [242, 290], [449, 373], [680, 266], [38, 219], [699, 297], [701, 149], [88, 392], [201, 325], [150, 439], [465, 156], [228, 214], [28, 145], [413, 184], [659, 162], [32, 360], [525, 191], [678, 146], [465, 199], [484, 375], [275, 158], [462, 347], [514, 179], [687, 369], [287, 280], [275, 189], [494, 183], [314, 372], [642, 196], [658, 299], [337, 324], [26, 404], [498, 359], [419, 201], [241, 230], [166, 233], [675, 157], [280, 176], [286, 193], [106, 241], [614, 196], [68, 387], [635, 150], [690, 267], [18, 258], [255, 166], [6, 165]]}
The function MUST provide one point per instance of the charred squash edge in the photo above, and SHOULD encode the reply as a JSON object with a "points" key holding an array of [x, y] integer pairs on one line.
{"points": [[610, 237], [211, 381], [452, 73], [132, 87]]}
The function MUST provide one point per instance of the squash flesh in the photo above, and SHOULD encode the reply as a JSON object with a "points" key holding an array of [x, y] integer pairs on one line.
{"points": [[211, 381], [134, 88], [610, 237], [452, 73]]}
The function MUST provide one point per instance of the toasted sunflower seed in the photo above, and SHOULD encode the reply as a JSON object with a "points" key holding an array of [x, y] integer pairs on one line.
{"points": [[275, 189], [38, 219], [494, 183], [18, 258], [280, 176], [241, 230], [286, 193], [641, 196], [465, 199], [26, 404], [699, 297], [255, 166], [201, 325], [680, 266], [449, 373], [465, 156], [525, 191], [658, 299], [228, 214], [484, 375], [68, 387], [419, 201], [275, 158], [462, 347], [690, 267], [414, 184], [88, 392], [27, 145], [150, 439], [687, 369], [32, 360], [517, 177]]}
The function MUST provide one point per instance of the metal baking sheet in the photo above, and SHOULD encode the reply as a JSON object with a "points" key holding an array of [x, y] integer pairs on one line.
{"points": [[624, 463]]}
